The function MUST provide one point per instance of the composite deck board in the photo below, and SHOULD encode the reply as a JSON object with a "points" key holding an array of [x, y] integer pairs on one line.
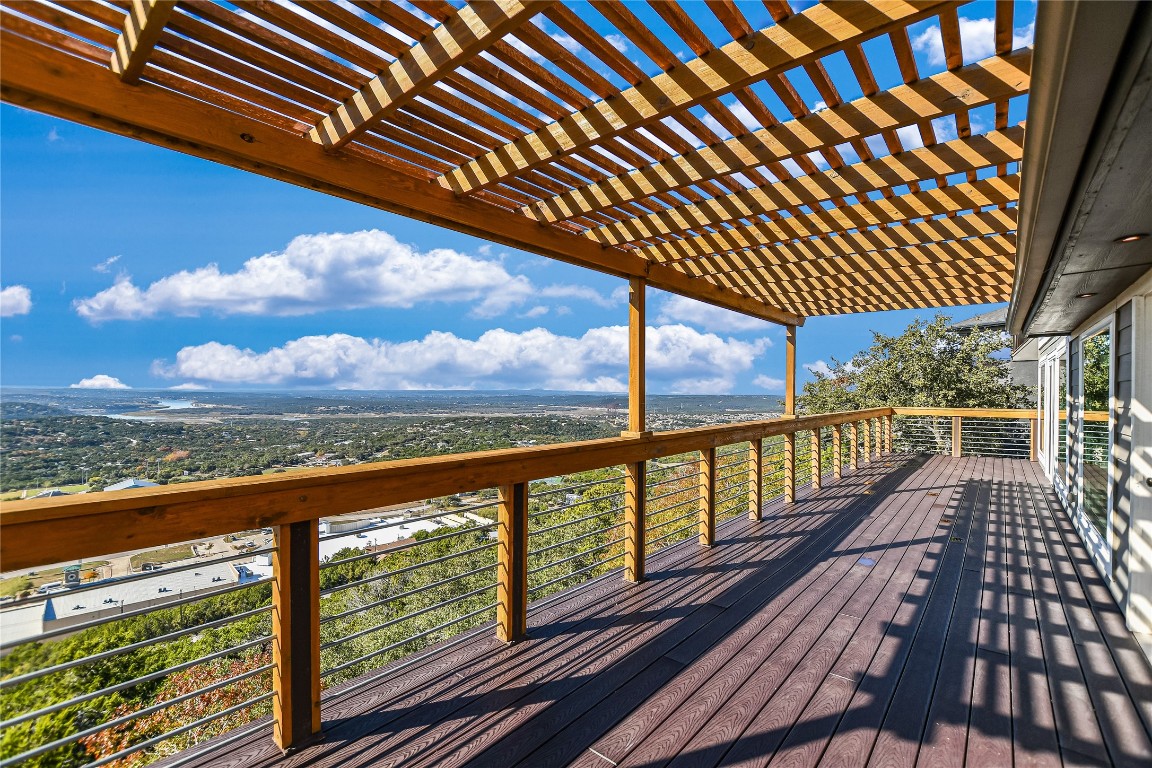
{"points": [[923, 610]]}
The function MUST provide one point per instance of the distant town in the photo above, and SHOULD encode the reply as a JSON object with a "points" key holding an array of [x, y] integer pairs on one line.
{"points": [[58, 442]]}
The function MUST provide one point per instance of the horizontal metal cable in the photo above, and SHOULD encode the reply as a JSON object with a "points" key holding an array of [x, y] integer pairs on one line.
{"points": [[133, 682], [177, 731], [460, 531], [405, 641], [130, 614], [691, 488], [677, 505], [576, 556], [573, 574], [671, 534], [573, 505], [651, 528], [118, 580], [574, 539], [65, 741], [403, 521], [407, 568], [29, 676], [676, 479], [670, 467], [570, 488], [406, 617], [409, 593]]}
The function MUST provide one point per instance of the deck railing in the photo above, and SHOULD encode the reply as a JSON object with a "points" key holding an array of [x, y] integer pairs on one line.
{"points": [[537, 521]]}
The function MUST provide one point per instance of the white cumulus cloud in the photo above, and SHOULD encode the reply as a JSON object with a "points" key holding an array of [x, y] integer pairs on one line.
{"points": [[320, 272], [977, 40], [767, 382], [100, 381], [679, 359], [189, 386], [15, 300], [820, 368], [681, 309]]}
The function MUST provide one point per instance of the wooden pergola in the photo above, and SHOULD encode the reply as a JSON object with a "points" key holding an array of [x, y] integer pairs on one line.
{"points": [[485, 123]]}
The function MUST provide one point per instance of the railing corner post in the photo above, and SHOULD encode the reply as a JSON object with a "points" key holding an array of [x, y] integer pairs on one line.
{"points": [[707, 496], [296, 634], [867, 425], [887, 433], [756, 479], [957, 436], [854, 438], [635, 488], [1033, 436], [512, 564]]}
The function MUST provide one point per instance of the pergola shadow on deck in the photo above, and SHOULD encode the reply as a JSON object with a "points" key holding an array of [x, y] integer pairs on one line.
{"points": [[934, 609]]}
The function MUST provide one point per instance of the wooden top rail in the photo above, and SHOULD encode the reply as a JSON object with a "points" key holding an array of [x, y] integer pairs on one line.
{"points": [[974, 413], [52, 530]]}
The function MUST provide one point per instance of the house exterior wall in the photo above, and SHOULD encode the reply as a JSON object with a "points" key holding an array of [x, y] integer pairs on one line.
{"points": [[1129, 572]]}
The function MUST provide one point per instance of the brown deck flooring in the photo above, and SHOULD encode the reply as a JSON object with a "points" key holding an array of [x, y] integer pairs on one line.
{"points": [[923, 611]]}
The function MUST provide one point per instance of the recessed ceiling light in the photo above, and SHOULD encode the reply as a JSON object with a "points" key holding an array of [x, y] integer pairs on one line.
{"points": [[1131, 238], [1085, 295]]}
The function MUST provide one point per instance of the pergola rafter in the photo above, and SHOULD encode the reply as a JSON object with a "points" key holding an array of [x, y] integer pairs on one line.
{"points": [[521, 122]]}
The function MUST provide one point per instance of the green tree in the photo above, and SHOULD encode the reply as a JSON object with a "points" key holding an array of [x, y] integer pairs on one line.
{"points": [[929, 365]]}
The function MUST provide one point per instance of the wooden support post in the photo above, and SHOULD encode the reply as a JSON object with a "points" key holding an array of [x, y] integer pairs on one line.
{"points": [[789, 467], [296, 634], [957, 436], [512, 564], [867, 425], [635, 485], [816, 459], [755, 479], [1033, 434], [837, 451], [790, 372], [707, 496], [636, 475], [888, 434], [854, 437]]}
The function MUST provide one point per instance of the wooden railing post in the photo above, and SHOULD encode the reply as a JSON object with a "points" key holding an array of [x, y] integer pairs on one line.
{"points": [[888, 434], [512, 564], [789, 467], [635, 485], [837, 451], [957, 436], [755, 479], [854, 438], [707, 496], [296, 634], [867, 425], [815, 457], [1033, 434]]}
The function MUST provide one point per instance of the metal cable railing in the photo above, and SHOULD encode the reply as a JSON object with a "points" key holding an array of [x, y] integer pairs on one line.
{"points": [[141, 665]]}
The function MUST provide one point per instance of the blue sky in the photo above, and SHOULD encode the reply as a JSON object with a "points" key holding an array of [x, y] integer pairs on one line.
{"points": [[157, 270]]}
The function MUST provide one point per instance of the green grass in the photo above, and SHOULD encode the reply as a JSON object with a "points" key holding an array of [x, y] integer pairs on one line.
{"points": [[164, 555], [15, 495]]}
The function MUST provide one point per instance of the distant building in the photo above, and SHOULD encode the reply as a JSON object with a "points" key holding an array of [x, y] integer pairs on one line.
{"points": [[132, 482]]}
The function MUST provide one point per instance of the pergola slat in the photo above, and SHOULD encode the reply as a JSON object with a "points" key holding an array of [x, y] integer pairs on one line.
{"points": [[983, 83], [142, 27], [449, 46], [924, 204], [805, 37], [957, 156], [551, 136]]}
